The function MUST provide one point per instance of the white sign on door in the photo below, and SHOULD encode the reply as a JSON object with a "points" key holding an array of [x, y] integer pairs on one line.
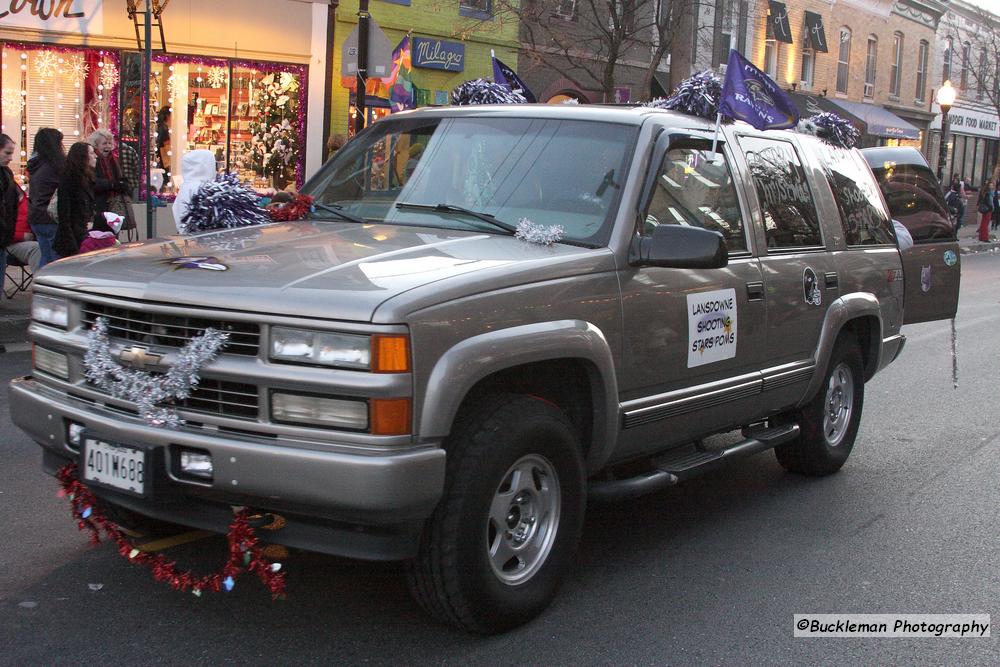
{"points": [[711, 326], [83, 17]]}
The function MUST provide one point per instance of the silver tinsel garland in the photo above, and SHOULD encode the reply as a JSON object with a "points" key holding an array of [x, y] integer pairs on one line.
{"points": [[150, 390], [224, 203], [481, 91], [532, 232]]}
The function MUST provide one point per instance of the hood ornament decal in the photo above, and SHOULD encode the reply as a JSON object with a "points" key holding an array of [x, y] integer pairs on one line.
{"points": [[200, 262]]}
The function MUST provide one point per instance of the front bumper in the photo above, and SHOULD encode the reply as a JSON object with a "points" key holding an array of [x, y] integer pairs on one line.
{"points": [[331, 500]]}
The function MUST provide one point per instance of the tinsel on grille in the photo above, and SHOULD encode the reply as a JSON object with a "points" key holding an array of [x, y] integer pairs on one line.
{"points": [[481, 91], [832, 129], [532, 232], [224, 203], [150, 390], [245, 551], [698, 95]]}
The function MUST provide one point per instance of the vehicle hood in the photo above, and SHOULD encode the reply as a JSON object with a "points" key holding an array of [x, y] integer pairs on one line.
{"points": [[330, 270]]}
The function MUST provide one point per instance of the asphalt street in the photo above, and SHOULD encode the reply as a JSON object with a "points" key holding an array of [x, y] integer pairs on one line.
{"points": [[710, 572]]}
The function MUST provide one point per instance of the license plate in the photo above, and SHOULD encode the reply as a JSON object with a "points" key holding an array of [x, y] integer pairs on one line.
{"points": [[113, 465]]}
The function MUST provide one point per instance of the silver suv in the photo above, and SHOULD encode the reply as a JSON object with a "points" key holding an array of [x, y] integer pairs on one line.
{"points": [[494, 316]]}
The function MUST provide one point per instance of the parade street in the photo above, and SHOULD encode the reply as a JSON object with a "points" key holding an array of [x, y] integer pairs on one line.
{"points": [[708, 572]]}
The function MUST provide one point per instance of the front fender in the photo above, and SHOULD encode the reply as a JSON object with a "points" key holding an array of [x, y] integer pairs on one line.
{"points": [[472, 360], [840, 312]]}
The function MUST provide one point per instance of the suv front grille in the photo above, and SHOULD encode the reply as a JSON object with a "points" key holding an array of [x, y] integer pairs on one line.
{"points": [[171, 330], [219, 397]]}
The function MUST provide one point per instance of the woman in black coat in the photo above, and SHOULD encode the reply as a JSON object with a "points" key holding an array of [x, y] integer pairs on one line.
{"points": [[44, 170], [76, 199]]}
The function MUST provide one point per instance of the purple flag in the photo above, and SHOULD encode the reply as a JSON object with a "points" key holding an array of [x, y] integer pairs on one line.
{"points": [[505, 76], [750, 95]]}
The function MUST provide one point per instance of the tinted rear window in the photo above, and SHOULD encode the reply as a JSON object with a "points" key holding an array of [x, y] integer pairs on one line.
{"points": [[862, 213], [914, 198]]}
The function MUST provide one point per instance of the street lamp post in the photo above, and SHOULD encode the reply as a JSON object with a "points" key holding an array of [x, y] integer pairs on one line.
{"points": [[945, 99]]}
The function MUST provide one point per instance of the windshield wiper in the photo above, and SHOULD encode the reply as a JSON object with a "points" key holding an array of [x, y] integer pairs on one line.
{"points": [[338, 210], [451, 208]]}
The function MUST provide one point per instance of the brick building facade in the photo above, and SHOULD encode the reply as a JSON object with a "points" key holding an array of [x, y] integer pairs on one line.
{"points": [[875, 68]]}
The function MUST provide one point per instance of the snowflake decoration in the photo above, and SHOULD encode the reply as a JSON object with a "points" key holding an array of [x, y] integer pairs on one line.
{"points": [[172, 86], [46, 64], [78, 67], [13, 101], [217, 77], [109, 76]]}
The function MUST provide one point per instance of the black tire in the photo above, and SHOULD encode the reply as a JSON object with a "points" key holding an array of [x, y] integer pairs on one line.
{"points": [[461, 574], [830, 421]]}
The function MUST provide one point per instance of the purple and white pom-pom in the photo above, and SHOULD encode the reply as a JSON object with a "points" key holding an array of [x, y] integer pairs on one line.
{"points": [[531, 232], [698, 95], [481, 91], [224, 203], [832, 129]]}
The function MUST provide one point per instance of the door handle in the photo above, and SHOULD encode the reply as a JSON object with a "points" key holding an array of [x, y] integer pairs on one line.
{"points": [[755, 291], [831, 280]]}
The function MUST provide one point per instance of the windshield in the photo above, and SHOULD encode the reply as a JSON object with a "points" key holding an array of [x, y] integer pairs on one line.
{"points": [[551, 172]]}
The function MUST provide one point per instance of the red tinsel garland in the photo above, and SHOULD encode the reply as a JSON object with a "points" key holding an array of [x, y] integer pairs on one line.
{"points": [[245, 554], [293, 210]]}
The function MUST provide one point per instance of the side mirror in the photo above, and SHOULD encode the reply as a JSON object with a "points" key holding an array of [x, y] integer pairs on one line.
{"points": [[680, 247]]}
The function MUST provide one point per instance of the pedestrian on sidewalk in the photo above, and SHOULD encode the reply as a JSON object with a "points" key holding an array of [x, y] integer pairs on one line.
{"points": [[76, 199], [985, 207], [995, 221], [956, 198], [16, 239], [111, 186], [44, 170]]}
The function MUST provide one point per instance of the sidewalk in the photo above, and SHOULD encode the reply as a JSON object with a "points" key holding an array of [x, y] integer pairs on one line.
{"points": [[968, 234]]}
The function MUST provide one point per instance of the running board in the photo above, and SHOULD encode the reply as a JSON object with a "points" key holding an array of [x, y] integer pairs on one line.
{"points": [[686, 462]]}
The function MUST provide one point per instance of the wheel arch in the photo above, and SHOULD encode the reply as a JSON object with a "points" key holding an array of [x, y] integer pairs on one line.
{"points": [[567, 363], [859, 314]]}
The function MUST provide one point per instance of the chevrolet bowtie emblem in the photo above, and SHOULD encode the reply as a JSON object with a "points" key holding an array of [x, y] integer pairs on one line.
{"points": [[139, 357]]}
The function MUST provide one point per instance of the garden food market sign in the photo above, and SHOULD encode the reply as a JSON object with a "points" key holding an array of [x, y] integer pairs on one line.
{"points": [[85, 17]]}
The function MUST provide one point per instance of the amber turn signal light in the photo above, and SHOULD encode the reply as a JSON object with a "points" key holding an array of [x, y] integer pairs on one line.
{"points": [[390, 354], [390, 416]]}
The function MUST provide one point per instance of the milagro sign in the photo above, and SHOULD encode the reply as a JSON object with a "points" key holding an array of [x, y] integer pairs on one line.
{"points": [[438, 54], [84, 17]]}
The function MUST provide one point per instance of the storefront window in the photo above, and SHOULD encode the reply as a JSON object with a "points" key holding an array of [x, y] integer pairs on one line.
{"points": [[249, 115], [74, 90]]}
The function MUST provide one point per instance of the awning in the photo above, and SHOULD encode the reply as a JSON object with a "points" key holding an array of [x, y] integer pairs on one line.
{"points": [[660, 87], [810, 105], [879, 121], [778, 21], [815, 35]]}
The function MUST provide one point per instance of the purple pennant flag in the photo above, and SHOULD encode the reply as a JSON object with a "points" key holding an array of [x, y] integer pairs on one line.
{"points": [[505, 76], [750, 95]]}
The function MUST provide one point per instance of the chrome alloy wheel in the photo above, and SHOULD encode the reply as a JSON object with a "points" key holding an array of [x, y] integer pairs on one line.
{"points": [[838, 405], [524, 519]]}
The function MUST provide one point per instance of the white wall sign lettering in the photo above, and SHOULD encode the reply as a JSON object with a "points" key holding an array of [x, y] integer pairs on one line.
{"points": [[711, 326], [85, 17], [969, 121]]}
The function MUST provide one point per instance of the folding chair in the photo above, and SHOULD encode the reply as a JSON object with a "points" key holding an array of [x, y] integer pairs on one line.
{"points": [[18, 276]]}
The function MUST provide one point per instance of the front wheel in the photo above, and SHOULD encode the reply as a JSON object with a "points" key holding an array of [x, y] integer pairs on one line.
{"points": [[830, 421], [492, 555]]}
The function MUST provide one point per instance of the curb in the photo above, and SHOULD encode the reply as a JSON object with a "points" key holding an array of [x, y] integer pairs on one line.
{"points": [[13, 329]]}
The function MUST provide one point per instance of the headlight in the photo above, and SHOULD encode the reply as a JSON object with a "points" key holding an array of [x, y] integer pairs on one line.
{"points": [[319, 411], [53, 363], [320, 347], [50, 310]]}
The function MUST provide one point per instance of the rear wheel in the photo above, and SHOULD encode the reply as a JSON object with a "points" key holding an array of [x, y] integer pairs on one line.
{"points": [[492, 555], [830, 421]]}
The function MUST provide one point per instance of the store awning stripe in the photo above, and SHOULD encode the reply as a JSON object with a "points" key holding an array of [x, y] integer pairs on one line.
{"points": [[815, 35], [879, 121], [810, 105]]}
